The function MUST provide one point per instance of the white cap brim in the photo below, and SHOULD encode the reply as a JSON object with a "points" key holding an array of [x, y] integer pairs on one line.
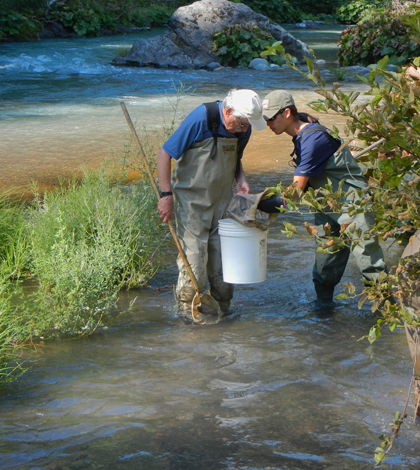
{"points": [[258, 124]]}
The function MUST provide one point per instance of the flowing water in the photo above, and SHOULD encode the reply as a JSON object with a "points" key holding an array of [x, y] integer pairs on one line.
{"points": [[276, 385]]}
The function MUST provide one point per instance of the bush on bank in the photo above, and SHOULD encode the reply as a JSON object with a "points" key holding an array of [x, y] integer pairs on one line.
{"points": [[79, 245], [26, 19], [380, 33], [353, 11]]}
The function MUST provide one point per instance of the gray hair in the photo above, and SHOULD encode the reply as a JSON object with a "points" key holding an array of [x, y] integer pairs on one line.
{"points": [[229, 102]]}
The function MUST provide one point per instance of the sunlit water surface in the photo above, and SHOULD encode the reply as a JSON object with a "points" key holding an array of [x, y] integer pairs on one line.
{"points": [[276, 385], [59, 101]]}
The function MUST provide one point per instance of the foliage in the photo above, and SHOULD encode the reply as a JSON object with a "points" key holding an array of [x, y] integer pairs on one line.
{"points": [[379, 34], [273, 53], [85, 19], [23, 19], [13, 261], [10, 366], [14, 244], [237, 45], [279, 11], [390, 110], [353, 11], [23, 5], [88, 241], [153, 15], [18, 25], [321, 6]]}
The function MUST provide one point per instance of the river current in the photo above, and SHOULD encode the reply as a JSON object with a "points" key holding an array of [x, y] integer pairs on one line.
{"points": [[276, 385]]}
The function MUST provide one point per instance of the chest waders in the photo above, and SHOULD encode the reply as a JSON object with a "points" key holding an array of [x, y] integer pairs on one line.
{"points": [[202, 185], [329, 267]]}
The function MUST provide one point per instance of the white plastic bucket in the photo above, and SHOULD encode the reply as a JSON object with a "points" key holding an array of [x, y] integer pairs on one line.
{"points": [[244, 252]]}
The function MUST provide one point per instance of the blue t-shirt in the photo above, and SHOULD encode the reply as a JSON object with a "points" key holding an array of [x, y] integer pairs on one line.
{"points": [[194, 129], [313, 150]]}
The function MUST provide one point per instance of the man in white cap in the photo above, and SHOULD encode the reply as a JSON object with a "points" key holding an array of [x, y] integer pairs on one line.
{"points": [[207, 149]]}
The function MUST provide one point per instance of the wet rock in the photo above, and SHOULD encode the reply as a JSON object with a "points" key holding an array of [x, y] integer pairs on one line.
{"points": [[259, 64], [213, 66], [188, 43], [307, 24]]}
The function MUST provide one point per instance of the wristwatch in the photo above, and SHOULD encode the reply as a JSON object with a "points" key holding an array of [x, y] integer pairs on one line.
{"points": [[165, 193]]}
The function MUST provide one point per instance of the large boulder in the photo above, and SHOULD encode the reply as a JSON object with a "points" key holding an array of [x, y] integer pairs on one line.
{"points": [[188, 43]]}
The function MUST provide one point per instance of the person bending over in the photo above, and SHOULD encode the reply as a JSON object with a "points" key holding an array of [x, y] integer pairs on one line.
{"points": [[317, 159], [207, 149]]}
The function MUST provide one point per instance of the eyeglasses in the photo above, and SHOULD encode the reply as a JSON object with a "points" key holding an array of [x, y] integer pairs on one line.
{"points": [[242, 125], [275, 116]]}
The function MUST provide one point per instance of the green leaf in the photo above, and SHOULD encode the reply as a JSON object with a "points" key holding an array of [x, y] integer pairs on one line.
{"points": [[379, 455], [290, 227]]}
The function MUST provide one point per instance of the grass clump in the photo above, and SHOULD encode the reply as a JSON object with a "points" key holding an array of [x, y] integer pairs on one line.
{"points": [[78, 245], [14, 250], [10, 366], [88, 241]]}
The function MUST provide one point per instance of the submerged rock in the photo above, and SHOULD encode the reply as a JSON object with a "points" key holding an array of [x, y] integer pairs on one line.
{"points": [[188, 43]]}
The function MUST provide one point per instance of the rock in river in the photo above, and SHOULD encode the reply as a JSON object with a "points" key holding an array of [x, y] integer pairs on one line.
{"points": [[188, 43]]}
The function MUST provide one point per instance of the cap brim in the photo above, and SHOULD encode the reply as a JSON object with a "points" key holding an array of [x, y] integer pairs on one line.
{"points": [[269, 113], [258, 124]]}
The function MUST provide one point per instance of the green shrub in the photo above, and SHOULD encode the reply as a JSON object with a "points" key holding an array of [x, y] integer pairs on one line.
{"points": [[14, 243], [89, 240], [153, 15], [18, 26], [236, 45], [85, 19], [23, 5], [354, 10], [320, 6], [10, 366], [279, 11], [380, 33]]}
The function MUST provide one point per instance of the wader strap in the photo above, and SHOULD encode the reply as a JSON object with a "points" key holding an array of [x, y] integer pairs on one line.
{"points": [[213, 123], [308, 131]]}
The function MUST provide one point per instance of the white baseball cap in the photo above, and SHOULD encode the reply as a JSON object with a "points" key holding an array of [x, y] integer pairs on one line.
{"points": [[248, 104]]}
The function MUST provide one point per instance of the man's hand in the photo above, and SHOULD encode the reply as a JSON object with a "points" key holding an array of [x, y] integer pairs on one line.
{"points": [[165, 207], [166, 203], [242, 187]]}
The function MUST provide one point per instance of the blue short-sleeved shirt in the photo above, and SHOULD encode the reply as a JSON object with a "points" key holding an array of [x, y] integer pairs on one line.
{"points": [[194, 129], [313, 150]]}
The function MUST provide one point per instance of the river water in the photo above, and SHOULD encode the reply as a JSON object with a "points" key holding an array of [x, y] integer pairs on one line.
{"points": [[276, 385]]}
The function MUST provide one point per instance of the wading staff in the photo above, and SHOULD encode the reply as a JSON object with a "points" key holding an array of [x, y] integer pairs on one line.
{"points": [[203, 307], [372, 146]]}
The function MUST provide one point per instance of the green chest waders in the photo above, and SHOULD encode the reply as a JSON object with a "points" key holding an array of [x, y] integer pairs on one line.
{"points": [[202, 185], [329, 268]]}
